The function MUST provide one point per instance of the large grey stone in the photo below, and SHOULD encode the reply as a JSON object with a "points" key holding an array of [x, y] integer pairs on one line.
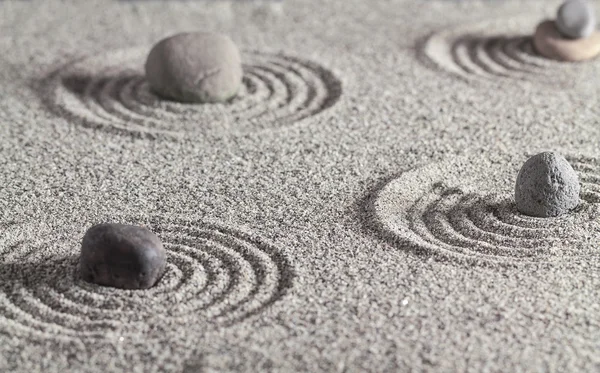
{"points": [[121, 256], [576, 19], [195, 67], [546, 186]]}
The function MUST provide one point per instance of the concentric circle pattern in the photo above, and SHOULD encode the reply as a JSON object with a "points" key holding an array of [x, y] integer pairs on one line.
{"points": [[109, 91], [496, 50], [215, 276], [464, 209]]}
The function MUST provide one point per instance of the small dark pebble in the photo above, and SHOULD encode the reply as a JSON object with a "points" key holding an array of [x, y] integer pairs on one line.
{"points": [[121, 256]]}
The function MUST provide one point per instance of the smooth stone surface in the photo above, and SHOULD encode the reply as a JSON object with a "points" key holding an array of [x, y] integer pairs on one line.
{"points": [[547, 186], [576, 19], [196, 67], [121, 256], [551, 44]]}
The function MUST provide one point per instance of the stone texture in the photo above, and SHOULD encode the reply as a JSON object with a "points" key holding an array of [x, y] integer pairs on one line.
{"points": [[547, 186], [196, 67], [121, 256], [550, 43], [576, 19]]}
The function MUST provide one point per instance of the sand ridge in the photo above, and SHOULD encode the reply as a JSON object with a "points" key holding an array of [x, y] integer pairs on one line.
{"points": [[496, 49], [447, 209], [109, 91], [214, 272]]}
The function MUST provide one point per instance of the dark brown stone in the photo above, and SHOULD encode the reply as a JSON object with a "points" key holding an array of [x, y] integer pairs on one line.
{"points": [[121, 256]]}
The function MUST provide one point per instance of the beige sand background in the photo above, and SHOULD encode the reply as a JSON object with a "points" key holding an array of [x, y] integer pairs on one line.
{"points": [[350, 211]]}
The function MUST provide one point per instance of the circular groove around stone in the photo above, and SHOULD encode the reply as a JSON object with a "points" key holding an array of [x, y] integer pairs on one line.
{"points": [[109, 92], [492, 50], [464, 210], [215, 276]]}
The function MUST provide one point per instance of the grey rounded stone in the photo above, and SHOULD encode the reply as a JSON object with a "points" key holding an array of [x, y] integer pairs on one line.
{"points": [[121, 256], [196, 67], [576, 19], [547, 186]]}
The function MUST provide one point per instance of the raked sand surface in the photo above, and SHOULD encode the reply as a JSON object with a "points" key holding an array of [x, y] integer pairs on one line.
{"points": [[351, 210]]}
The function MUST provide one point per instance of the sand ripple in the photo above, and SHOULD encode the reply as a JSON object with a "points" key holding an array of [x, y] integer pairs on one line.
{"points": [[109, 91], [464, 209], [494, 50], [215, 276]]}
